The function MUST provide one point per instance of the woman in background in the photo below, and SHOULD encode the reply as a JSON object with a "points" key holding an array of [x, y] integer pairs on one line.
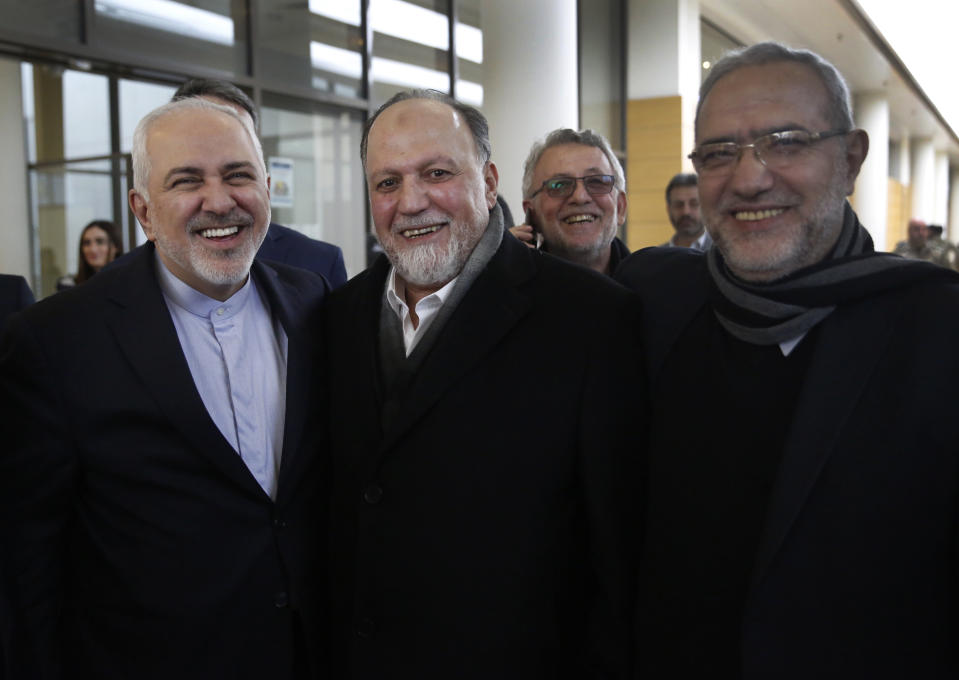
{"points": [[99, 245]]}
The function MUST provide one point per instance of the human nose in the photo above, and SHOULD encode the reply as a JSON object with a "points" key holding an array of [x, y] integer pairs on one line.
{"points": [[750, 175], [218, 198], [579, 194], [413, 198]]}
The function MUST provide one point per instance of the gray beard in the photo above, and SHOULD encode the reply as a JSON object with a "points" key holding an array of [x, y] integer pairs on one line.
{"points": [[816, 238], [431, 265]]}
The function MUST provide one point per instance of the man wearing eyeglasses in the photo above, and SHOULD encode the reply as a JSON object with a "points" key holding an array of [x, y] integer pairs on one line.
{"points": [[574, 196], [803, 525], [469, 540]]}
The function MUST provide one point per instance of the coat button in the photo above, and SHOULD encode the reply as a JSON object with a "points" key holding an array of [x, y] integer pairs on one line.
{"points": [[372, 494], [281, 600], [365, 628], [279, 523]]}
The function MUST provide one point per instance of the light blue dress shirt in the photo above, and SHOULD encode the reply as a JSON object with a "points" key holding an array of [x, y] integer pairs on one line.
{"points": [[237, 356]]}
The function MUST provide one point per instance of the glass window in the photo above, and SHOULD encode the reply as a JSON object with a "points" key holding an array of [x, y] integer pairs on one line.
{"points": [[469, 52], [714, 43], [410, 46], [137, 99], [67, 197], [207, 32], [43, 18], [318, 189], [602, 82], [318, 45], [86, 124]]}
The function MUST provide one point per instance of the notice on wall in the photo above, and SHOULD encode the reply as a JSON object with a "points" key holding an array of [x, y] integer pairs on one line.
{"points": [[281, 182]]}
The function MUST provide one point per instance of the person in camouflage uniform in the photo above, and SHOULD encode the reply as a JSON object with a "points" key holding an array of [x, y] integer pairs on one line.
{"points": [[942, 251], [915, 246]]}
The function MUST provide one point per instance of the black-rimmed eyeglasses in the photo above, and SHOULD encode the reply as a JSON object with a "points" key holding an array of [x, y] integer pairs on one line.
{"points": [[562, 187], [776, 151]]}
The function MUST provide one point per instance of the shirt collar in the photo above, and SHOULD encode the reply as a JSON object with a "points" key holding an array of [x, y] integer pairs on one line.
{"points": [[396, 292], [185, 296]]}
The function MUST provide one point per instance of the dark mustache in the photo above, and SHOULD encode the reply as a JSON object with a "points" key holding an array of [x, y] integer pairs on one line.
{"points": [[236, 217]]}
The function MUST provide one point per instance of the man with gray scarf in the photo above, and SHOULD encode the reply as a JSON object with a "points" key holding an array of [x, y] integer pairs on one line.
{"points": [[482, 515], [806, 526]]}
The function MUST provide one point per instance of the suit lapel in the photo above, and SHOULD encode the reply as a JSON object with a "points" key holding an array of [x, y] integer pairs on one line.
{"points": [[148, 340], [287, 306], [492, 306], [848, 348]]}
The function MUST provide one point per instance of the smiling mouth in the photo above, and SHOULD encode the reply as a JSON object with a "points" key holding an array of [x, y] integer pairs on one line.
{"points": [[420, 231], [577, 219], [219, 232], [754, 215]]}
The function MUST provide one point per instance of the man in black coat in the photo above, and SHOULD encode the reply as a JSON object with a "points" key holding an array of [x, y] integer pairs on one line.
{"points": [[161, 504], [482, 514], [802, 513]]}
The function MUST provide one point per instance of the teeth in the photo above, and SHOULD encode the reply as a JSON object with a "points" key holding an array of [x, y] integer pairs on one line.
{"points": [[213, 233], [575, 219], [413, 233], [751, 216]]}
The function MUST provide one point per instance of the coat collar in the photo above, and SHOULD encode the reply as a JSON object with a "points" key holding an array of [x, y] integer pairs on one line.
{"points": [[489, 310]]}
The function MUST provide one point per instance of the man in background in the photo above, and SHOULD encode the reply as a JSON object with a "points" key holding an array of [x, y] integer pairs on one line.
{"points": [[682, 206], [574, 196]]}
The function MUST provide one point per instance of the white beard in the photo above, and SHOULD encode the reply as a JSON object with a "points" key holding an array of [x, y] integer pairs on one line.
{"points": [[432, 264], [217, 267]]}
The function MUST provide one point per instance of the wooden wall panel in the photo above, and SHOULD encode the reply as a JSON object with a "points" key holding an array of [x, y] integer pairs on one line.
{"points": [[654, 153]]}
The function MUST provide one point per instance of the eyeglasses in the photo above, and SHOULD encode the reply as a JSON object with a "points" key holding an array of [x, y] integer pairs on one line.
{"points": [[776, 151], [562, 187]]}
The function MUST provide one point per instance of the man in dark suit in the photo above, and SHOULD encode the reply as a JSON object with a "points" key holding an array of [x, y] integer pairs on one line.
{"points": [[802, 515], [15, 295], [471, 539], [161, 505], [289, 246]]}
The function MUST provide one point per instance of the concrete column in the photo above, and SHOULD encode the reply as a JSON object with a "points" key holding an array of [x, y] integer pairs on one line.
{"points": [[940, 208], [530, 83], [870, 199], [952, 228], [663, 67], [905, 158], [922, 162], [15, 232]]}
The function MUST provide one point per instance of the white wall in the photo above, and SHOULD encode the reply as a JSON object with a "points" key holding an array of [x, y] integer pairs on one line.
{"points": [[872, 115], [530, 81]]}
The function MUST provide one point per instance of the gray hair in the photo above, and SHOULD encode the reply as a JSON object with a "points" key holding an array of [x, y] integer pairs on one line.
{"points": [[476, 121], [839, 110], [562, 136], [141, 159]]}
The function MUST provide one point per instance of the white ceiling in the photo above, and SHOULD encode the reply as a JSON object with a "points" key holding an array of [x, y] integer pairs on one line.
{"points": [[828, 28]]}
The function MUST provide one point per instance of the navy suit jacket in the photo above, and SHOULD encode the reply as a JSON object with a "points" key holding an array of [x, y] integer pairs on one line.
{"points": [[289, 246], [135, 542]]}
